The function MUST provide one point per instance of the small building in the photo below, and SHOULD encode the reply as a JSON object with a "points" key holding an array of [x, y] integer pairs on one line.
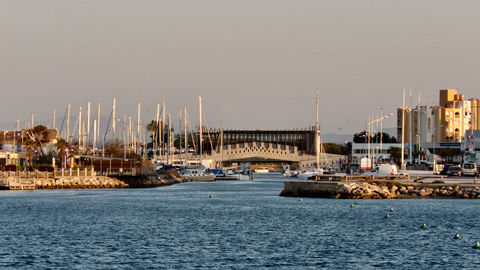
{"points": [[11, 158]]}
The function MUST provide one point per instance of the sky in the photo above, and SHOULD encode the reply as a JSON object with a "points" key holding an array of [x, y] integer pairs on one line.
{"points": [[256, 63]]}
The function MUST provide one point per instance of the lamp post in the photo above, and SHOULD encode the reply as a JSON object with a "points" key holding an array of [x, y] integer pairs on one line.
{"points": [[377, 120], [418, 147]]}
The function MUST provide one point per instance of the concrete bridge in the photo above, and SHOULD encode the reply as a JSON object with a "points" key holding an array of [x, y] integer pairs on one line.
{"points": [[264, 152]]}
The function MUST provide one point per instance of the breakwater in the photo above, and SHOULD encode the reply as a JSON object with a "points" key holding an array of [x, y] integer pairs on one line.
{"points": [[92, 181], [379, 190]]}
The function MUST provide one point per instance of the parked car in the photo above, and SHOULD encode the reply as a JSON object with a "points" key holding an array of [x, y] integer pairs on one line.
{"points": [[470, 169], [444, 171], [454, 170]]}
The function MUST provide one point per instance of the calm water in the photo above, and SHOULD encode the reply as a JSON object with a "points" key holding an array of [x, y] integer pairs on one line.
{"points": [[244, 225]]}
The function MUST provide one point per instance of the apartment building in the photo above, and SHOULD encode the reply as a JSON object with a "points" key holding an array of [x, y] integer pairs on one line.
{"points": [[446, 122]]}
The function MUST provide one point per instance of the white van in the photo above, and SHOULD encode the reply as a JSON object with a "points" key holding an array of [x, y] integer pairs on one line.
{"points": [[469, 169], [388, 169]]}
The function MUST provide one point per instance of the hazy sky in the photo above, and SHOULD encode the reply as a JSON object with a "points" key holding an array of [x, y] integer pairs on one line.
{"points": [[256, 63]]}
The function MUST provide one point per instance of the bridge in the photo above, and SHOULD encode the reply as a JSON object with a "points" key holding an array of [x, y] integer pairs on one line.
{"points": [[269, 154]]}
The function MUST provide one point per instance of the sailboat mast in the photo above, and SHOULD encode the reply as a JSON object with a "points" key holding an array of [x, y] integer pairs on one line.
{"points": [[53, 120], [114, 120], [94, 136], [130, 135], [221, 144], [317, 134], [403, 131], [80, 127], [200, 127], [179, 134], [98, 119], [169, 138], [162, 130], [67, 138], [139, 123], [186, 139], [155, 132], [88, 123]]}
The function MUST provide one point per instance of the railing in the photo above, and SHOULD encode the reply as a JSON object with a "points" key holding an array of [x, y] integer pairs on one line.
{"points": [[126, 172], [333, 177], [25, 180], [17, 183]]}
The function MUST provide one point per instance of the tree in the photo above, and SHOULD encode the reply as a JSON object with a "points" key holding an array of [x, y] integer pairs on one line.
{"points": [[63, 148], [333, 148], [396, 154], [361, 137], [384, 137], [34, 141], [153, 128], [117, 149]]}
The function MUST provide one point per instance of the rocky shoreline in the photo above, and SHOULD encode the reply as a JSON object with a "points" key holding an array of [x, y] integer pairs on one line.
{"points": [[380, 190], [96, 182]]}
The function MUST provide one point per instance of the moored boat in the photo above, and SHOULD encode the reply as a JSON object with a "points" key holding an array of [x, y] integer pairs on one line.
{"points": [[243, 175], [198, 174]]}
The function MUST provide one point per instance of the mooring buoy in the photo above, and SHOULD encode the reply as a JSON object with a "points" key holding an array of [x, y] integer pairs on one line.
{"points": [[457, 236], [352, 206], [392, 210], [300, 199], [423, 226], [476, 245], [210, 196], [387, 216]]}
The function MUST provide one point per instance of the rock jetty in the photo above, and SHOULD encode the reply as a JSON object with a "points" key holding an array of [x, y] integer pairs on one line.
{"points": [[162, 179], [379, 190]]}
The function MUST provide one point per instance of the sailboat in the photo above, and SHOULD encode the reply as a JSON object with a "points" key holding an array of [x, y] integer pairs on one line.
{"points": [[313, 172], [198, 173]]}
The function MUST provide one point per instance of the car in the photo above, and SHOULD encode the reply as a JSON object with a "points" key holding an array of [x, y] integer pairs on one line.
{"points": [[454, 170], [445, 168], [470, 169]]}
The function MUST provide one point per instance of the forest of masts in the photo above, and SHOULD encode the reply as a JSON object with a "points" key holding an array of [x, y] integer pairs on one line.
{"points": [[91, 137]]}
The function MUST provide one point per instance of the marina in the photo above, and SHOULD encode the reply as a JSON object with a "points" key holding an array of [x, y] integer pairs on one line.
{"points": [[239, 135]]}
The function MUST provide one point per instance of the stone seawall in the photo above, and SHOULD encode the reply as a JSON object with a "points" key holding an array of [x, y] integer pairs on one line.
{"points": [[379, 190], [163, 179]]}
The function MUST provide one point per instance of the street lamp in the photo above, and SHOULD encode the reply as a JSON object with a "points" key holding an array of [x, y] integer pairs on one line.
{"points": [[418, 147], [377, 120]]}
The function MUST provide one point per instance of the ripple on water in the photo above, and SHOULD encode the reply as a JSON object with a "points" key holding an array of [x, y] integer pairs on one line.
{"points": [[245, 225]]}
